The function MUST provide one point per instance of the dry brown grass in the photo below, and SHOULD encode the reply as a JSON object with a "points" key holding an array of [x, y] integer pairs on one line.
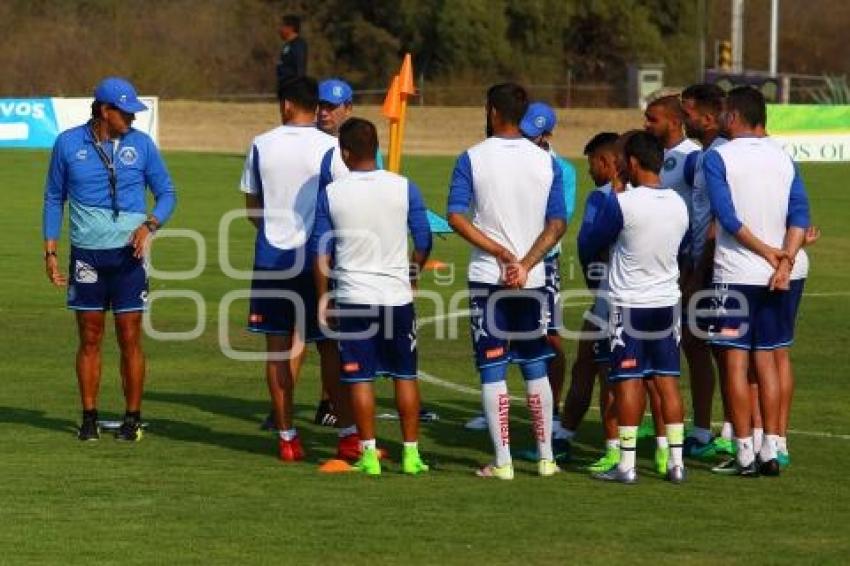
{"points": [[229, 127]]}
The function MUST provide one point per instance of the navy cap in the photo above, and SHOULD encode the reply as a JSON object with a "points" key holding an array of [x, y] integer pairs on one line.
{"points": [[538, 119], [119, 93], [335, 91]]}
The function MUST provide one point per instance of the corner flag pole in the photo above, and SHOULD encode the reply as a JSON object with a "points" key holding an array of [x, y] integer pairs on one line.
{"points": [[391, 111], [406, 90]]}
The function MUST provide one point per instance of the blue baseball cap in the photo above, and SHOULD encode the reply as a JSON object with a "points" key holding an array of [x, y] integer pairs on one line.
{"points": [[538, 119], [119, 93], [335, 91]]}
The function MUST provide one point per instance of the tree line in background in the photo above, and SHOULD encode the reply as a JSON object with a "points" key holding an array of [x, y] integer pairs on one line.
{"points": [[209, 48]]}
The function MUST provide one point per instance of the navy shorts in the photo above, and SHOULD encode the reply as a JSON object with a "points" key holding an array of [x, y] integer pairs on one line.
{"points": [[751, 317], [555, 319], [644, 342], [508, 325], [377, 340], [102, 280], [790, 310], [280, 305], [601, 349]]}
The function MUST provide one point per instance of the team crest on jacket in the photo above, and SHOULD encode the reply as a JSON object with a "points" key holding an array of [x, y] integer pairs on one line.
{"points": [[128, 155], [669, 163]]}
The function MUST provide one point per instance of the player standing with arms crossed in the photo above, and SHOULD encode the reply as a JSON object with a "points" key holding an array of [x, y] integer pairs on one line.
{"points": [[516, 197], [373, 296]]}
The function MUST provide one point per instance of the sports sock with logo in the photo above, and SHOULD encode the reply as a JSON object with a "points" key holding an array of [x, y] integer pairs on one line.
{"points": [[496, 403], [369, 444], [539, 398], [782, 445], [676, 434], [612, 443], [628, 447], [288, 435], [746, 455]]}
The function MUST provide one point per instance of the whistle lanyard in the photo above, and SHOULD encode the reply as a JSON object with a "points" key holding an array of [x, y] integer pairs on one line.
{"points": [[110, 170]]}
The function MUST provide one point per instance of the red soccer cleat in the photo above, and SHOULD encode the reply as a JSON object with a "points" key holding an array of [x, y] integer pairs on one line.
{"points": [[348, 448], [291, 450]]}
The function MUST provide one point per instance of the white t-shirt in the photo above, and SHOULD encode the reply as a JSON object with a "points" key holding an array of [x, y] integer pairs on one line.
{"points": [[363, 220], [751, 181], [284, 168], [644, 270], [512, 189]]}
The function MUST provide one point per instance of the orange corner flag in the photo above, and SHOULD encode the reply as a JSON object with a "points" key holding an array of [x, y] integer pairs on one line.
{"points": [[406, 85], [392, 103]]}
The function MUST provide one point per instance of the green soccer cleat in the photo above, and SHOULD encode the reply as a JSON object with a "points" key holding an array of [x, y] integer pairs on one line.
{"points": [[724, 446], [606, 462], [662, 455], [411, 462], [784, 459], [369, 463]]}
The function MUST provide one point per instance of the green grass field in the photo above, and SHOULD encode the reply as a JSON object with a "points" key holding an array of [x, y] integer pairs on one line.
{"points": [[205, 485]]}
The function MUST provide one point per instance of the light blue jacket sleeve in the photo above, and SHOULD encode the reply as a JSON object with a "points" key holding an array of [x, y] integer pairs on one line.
{"points": [[55, 192], [159, 181], [568, 176], [556, 207]]}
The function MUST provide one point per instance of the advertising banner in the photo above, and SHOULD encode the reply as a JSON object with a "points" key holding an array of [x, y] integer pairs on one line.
{"points": [[35, 122], [811, 132]]}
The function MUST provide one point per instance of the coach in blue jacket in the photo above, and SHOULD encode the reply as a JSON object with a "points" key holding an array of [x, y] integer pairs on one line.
{"points": [[101, 169]]}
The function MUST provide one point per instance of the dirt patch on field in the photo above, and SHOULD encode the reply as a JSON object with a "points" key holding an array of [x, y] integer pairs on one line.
{"points": [[229, 127]]}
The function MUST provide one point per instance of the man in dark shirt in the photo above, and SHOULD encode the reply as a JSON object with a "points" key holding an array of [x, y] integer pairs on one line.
{"points": [[293, 53]]}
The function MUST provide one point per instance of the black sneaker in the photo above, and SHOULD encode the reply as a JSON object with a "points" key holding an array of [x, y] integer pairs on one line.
{"points": [[731, 467], [769, 468], [325, 415], [268, 423], [129, 431], [89, 430]]}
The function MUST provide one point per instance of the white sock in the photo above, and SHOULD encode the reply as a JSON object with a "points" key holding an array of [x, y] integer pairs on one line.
{"points": [[368, 444], [746, 455], [676, 434], [287, 435], [768, 447], [702, 435], [612, 443], [347, 431], [758, 439], [539, 398], [496, 403], [411, 445], [661, 441], [727, 431], [782, 445], [628, 447]]}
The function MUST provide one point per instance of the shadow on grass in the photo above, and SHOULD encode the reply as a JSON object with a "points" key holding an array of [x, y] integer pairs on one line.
{"points": [[37, 419]]}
